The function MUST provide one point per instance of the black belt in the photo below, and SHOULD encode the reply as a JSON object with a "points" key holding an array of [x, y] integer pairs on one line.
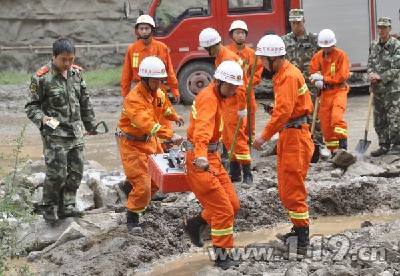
{"points": [[328, 86], [121, 134], [297, 122], [212, 147]]}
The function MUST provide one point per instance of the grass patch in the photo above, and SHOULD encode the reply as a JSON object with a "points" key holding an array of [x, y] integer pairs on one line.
{"points": [[13, 77], [103, 77], [93, 78]]}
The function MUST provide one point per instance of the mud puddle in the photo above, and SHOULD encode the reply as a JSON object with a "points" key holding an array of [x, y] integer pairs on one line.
{"points": [[191, 263]]}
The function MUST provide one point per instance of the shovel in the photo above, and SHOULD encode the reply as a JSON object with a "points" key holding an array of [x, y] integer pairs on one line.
{"points": [[315, 156], [363, 144]]}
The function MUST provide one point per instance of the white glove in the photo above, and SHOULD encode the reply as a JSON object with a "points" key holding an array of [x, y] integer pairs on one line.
{"points": [[316, 77], [242, 113], [319, 84]]}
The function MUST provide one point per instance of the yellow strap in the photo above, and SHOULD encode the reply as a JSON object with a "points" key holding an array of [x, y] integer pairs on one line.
{"points": [[222, 232], [340, 130], [135, 60], [194, 111], [296, 215], [132, 124], [303, 89], [333, 69], [155, 129]]}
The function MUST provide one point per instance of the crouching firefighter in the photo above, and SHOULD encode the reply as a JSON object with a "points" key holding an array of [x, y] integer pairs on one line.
{"points": [[295, 146], [206, 175], [138, 133]]}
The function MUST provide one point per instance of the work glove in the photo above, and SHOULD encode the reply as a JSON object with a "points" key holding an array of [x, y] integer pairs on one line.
{"points": [[316, 77], [201, 163], [258, 142], [176, 139], [319, 84], [242, 113], [180, 122]]}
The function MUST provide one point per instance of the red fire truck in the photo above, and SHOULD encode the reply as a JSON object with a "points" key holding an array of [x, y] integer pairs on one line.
{"points": [[179, 25]]}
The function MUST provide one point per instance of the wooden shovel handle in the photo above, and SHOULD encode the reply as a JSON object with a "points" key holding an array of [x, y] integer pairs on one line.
{"points": [[370, 102], [314, 116]]}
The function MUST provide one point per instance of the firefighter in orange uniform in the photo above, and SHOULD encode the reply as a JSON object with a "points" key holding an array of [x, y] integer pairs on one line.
{"points": [[139, 131], [238, 32], [295, 147], [233, 108], [147, 46], [330, 70], [206, 176]]}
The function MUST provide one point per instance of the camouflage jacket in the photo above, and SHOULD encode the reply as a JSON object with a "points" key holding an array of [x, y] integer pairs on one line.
{"points": [[63, 99], [300, 51], [385, 61]]}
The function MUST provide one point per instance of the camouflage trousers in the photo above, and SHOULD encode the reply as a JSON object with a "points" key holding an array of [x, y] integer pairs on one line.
{"points": [[387, 117], [64, 169]]}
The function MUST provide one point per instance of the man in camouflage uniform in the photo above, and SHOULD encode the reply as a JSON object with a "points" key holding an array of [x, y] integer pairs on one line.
{"points": [[58, 105], [384, 75], [300, 48]]}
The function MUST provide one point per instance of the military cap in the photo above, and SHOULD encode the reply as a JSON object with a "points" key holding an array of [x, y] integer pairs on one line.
{"points": [[296, 15], [385, 22]]}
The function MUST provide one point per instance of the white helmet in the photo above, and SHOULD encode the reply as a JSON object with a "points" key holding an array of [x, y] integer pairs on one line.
{"points": [[238, 24], [271, 46], [152, 67], [229, 71], [326, 38], [209, 37], [145, 19]]}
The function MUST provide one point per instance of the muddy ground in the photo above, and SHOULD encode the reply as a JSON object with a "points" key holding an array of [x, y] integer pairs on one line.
{"points": [[98, 244]]}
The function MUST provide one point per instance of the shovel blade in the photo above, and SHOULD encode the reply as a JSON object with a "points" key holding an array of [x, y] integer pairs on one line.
{"points": [[362, 146], [315, 156]]}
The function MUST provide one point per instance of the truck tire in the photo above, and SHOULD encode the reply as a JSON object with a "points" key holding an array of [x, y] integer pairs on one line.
{"points": [[194, 77]]}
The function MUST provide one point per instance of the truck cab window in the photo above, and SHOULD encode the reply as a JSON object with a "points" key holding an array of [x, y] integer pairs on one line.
{"points": [[249, 6], [169, 14]]}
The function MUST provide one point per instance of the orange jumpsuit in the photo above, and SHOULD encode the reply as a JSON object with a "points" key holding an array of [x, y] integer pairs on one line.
{"points": [[335, 69], [230, 108], [248, 57], [295, 147], [135, 53], [140, 116], [213, 188]]}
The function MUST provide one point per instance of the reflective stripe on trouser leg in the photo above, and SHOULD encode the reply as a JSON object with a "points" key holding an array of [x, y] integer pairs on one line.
{"points": [[135, 164], [295, 149], [338, 124], [217, 196], [332, 144]]}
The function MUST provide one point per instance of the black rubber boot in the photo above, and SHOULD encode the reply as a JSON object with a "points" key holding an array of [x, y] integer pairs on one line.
{"points": [[235, 171], [223, 259], [395, 150], [193, 228], [303, 238], [50, 213], [382, 150], [343, 144], [247, 176], [285, 237], [132, 221], [125, 186], [69, 211]]}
